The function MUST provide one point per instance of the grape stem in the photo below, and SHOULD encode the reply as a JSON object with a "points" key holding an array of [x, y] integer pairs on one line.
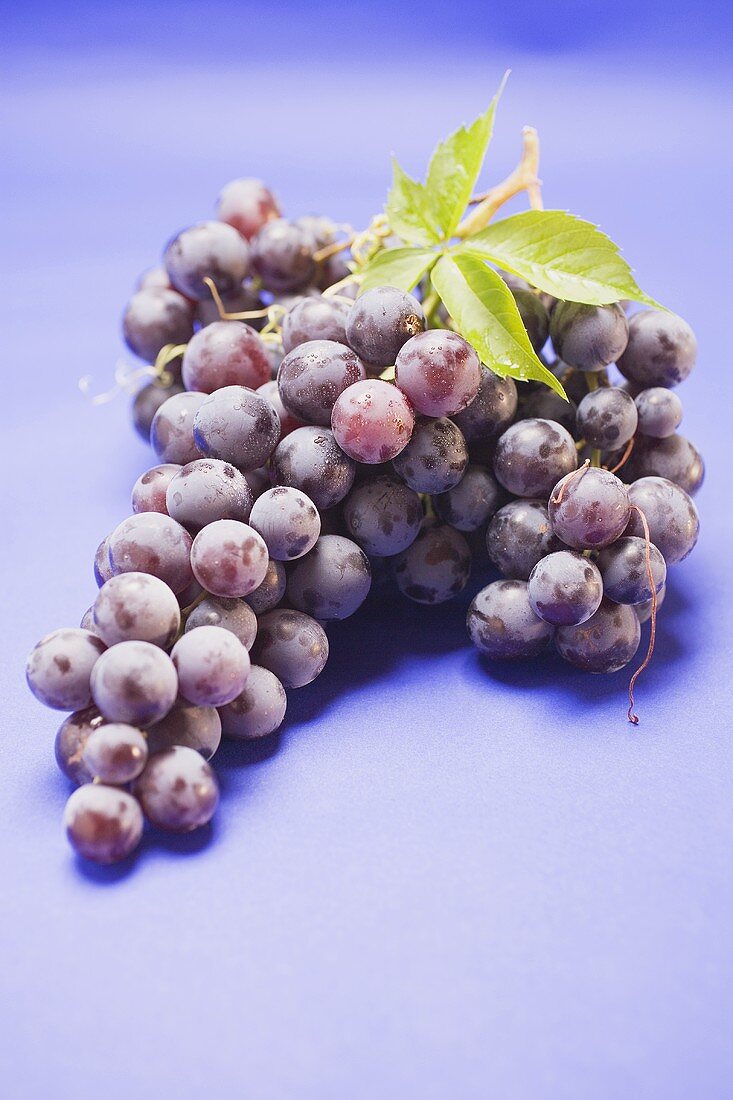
{"points": [[523, 178], [631, 715], [224, 315]]}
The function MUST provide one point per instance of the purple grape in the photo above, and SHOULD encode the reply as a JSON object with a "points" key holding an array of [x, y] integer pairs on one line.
{"points": [[282, 256], [292, 646], [258, 711], [134, 682], [313, 375], [247, 205], [623, 566], [470, 503], [288, 521], [491, 411], [154, 318], [102, 567], [310, 460], [189, 595], [607, 418], [208, 250], [659, 411], [518, 536], [673, 521], [381, 321], [115, 753], [372, 421], [436, 567], [212, 666], [197, 728], [229, 558], [146, 403], [136, 607], [171, 432], [258, 481], [150, 542], [154, 278], [237, 426], [148, 492], [178, 790], [565, 588], [545, 404], [589, 509], [71, 737], [207, 490], [103, 823], [332, 581], [531, 457], [60, 666], [315, 319], [271, 392], [673, 458], [435, 458], [588, 337], [225, 353], [604, 643], [268, 594], [383, 515], [534, 316], [439, 372], [661, 350], [503, 625], [644, 610], [231, 614]]}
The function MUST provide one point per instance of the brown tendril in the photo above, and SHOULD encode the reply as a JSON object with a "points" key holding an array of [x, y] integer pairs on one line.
{"points": [[631, 715], [224, 315], [568, 478]]}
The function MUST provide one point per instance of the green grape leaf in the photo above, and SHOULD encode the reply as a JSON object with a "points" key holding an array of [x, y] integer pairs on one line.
{"points": [[409, 210], [561, 255], [455, 165], [400, 267], [485, 313]]}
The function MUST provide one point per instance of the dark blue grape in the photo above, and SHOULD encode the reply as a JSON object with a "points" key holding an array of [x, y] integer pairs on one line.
{"points": [[661, 350], [604, 643], [565, 588], [502, 623], [381, 321], [623, 566], [588, 337]]}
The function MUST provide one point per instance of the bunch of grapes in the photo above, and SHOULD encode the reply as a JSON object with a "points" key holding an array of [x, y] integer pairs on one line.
{"points": [[304, 434]]}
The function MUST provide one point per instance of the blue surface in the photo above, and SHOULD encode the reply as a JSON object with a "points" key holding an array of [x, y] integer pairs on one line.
{"points": [[442, 881]]}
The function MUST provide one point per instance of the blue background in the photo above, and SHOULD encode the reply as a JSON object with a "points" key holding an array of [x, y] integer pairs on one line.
{"points": [[442, 880]]}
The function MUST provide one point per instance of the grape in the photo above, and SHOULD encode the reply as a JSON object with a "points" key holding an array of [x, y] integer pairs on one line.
{"points": [[153, 279], [607, 418], [313, 375], [435, 458], [383, 515], [535, 317], [134, 682], [532, 455], [673, 458], [545, 404], [471, 502], [588, 337], [178, 790], [435, 567], [574, 381], [259, 710], [333, 270], [230, 614], [146, 403], [150, 542], [136, 606], [258, 481], [492, 409], [207, 490], [287, 520], [332, 581], [674, 525], [661, 351], [519, 535], [320, 229], [268, 594], [590, 509], [70, 740], [439, 372], [247, 205], [517, 283], [148, 492], [208, 250], [288, 423], [225, 353], [381, 321], [171, 432], [502, 623], [103, 823], [115, 753], [659, 411], [189, 595], [624, 569], [310, 459], [212, 666], [60, 666], [197, 728], [291, 645], [102, 568], [237, 426], [229, 558], [644, 610], [372, 421], [605, 642], [244, 299], [315, 319], [154, 318], [565, 588], [87, 621], [282, 256]]}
